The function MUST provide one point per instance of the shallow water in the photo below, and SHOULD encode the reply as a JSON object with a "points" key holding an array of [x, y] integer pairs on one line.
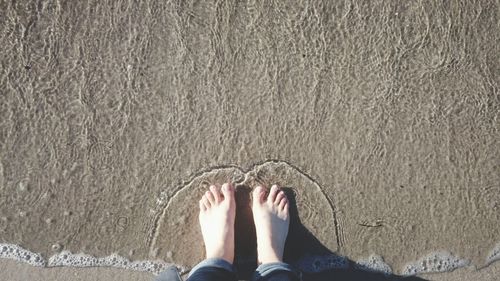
{"points": [[110, 108]]}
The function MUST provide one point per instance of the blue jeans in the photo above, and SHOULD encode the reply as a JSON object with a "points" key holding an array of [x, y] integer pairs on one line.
{"points": [[221, 270]]}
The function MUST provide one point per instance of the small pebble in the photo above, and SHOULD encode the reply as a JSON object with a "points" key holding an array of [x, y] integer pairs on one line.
{"points": [[22, 186], [56, 247]]}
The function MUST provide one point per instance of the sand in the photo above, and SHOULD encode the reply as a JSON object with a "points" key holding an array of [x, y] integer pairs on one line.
{"points": [[14, 271], [380, 117]]}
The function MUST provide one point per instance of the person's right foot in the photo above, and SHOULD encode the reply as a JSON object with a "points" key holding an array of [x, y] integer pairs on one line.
{"points": [[271, 218], [217, 213]]}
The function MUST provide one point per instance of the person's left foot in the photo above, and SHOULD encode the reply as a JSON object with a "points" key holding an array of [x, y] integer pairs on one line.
{"points": [[217, 213], [272, 219]]}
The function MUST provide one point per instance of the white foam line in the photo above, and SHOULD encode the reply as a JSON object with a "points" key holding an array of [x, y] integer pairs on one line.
{"points": [[68, 259], [374, 263], [313, 264], [435, 262], [494, 255], [10, 251]]}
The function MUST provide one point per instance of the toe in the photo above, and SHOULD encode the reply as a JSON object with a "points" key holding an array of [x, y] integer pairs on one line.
{"points": [[272, 194], [285, 209], [227, 190], [205, 202], [279, 197], [283, 203], [258, 194], [216, 193], [202, 205], [210, 197]]}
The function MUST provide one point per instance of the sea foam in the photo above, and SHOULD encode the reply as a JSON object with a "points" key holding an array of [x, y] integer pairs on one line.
{"points": [[374, 263], [17, 253], [435, 262], [313, 264], [494, 255], [66, 258]]}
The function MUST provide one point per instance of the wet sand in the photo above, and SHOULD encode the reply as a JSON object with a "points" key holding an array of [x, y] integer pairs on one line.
{"points": [[382, 117], [14, 271]]}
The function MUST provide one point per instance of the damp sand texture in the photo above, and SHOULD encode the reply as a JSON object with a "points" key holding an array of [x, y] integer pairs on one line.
{"points": [[388, 110]]}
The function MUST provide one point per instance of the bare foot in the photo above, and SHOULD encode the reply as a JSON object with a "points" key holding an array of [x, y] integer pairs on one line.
{"points": [[271, 220], [217, 212]]}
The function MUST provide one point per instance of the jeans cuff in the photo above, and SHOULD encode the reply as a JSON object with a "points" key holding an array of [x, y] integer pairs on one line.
{"points": [[267, 269], [213, 262]]}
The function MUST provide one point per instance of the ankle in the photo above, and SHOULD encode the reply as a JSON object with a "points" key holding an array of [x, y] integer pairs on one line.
{"points": [[269, 259], [221, 255], [268, 255], [220, 251]]}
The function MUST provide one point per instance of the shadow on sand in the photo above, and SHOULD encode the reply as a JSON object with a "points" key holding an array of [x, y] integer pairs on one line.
{"points": [[300, 243]]}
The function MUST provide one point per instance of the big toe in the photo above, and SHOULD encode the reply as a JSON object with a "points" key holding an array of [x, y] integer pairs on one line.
{"points": [[273, 193], [258, 194], [228, 191]]}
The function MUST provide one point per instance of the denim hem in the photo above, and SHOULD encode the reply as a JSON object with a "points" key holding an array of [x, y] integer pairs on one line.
{"points": [[213, 262], [267, 269]]}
